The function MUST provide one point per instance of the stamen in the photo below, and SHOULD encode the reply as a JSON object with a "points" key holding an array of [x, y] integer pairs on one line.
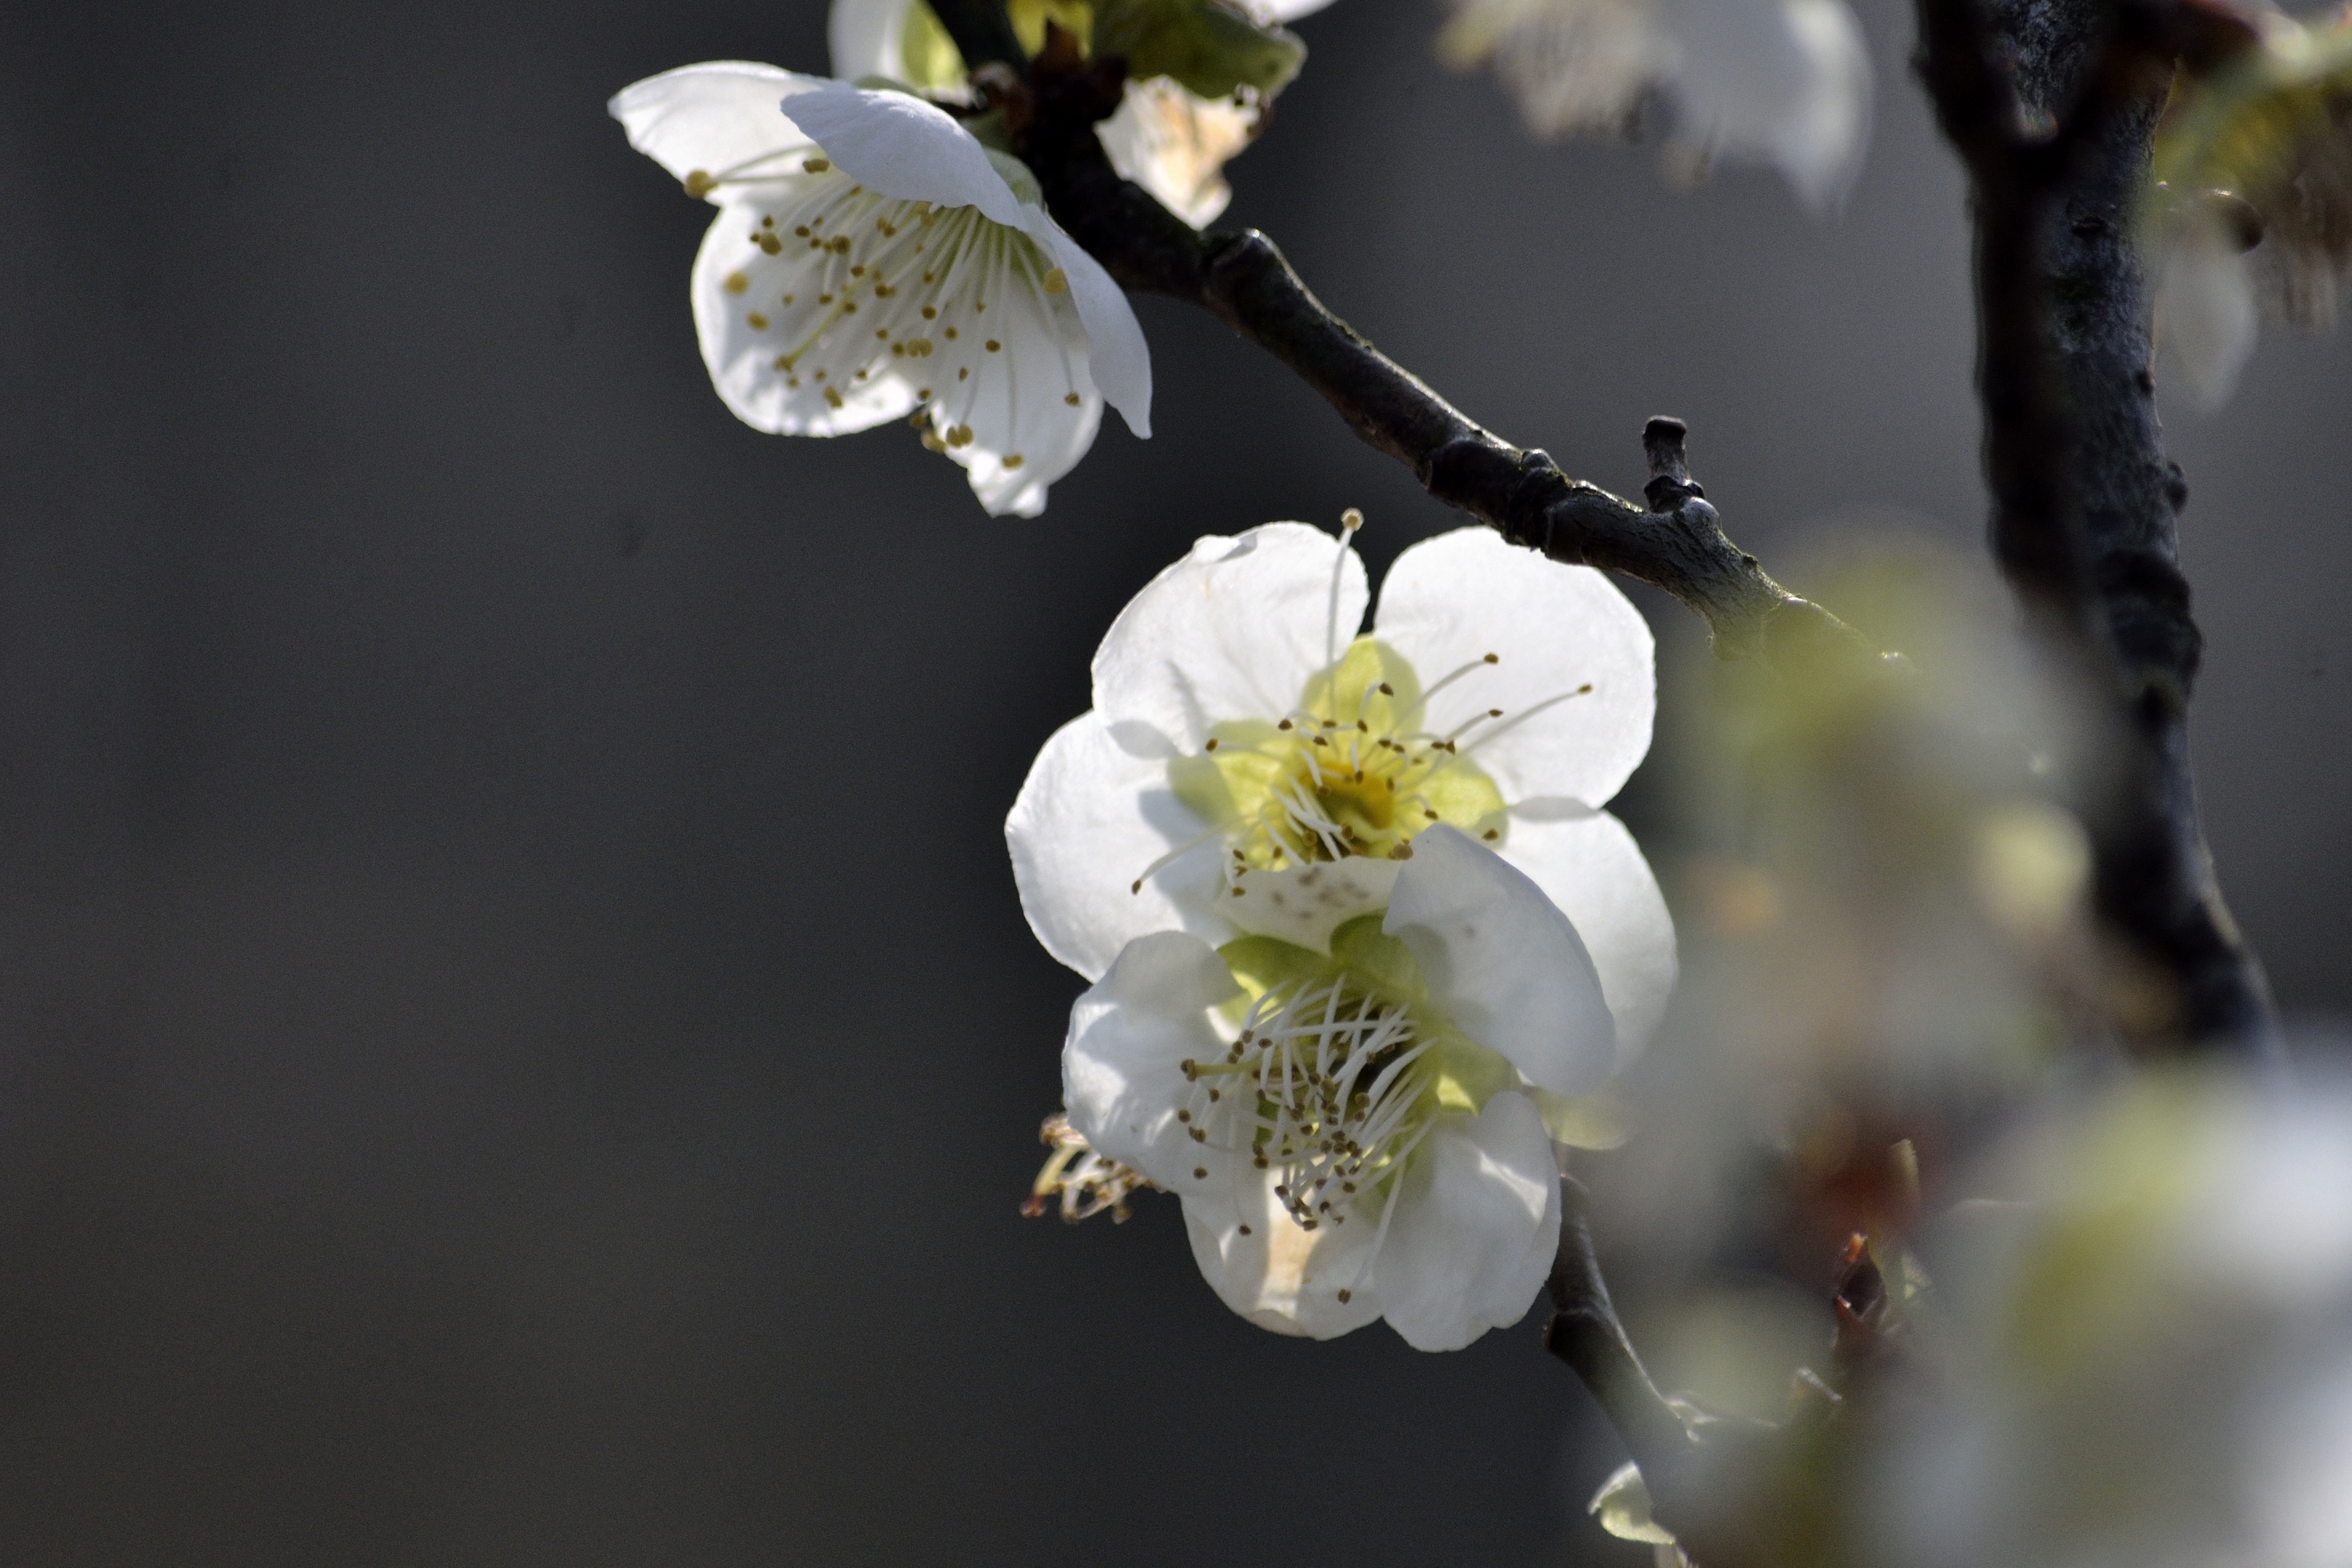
{"points": [[1349, 521], [1165, 860]]}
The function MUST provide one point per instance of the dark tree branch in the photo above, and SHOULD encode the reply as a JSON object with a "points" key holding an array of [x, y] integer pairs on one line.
{"points": [[1675, 543], [2052, 105], [1585, 1333]]}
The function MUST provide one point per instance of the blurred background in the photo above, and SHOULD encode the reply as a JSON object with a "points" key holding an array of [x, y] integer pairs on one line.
{"points": [[517, 1041]]}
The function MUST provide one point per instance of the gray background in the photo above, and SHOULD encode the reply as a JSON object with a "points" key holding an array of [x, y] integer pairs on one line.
{"points": [[517, 1045]]}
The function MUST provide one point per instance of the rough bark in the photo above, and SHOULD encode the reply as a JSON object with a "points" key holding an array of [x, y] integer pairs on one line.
{"points": [[2053, 105]]}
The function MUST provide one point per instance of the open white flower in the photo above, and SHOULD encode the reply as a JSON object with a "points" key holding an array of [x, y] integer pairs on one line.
{"points": [[1171, 141], [2149, 1333], [1345, 1123], [870, 258], [1251, 766], [1784, 81]]}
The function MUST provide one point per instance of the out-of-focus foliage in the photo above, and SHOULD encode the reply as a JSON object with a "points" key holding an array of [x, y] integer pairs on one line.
{"points": [[1883, 932]]}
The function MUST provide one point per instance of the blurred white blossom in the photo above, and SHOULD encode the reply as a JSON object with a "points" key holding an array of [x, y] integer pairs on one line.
{"points": [[2148, 1323], [1252, 766], [2251, 212], [1345, 1123], [871, 258], [1786, 82], [2206, 315]]}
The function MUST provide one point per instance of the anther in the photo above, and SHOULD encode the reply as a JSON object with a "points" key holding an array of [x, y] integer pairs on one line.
{"points": [[700, 183], [816, 165], [1211, 746]]}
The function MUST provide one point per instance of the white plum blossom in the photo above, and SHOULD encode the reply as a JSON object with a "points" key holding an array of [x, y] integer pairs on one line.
{"points": [[2207, 310], [1169, 139], [1252, 767], [1347, 1124], [871, 258], [2251, 215], [1786, 82], [2146, 1320]]}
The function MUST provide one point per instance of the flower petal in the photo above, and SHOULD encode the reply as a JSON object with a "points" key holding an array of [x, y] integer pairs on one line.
{"points": [[1450, 601], [1117, 356], [1786, 82], [1173, 142], [1589, 866], [1476, 1230], [1502, 963], [901, 146], [1090, 820], [1283, 10], [713, 118], [862, 37], [1302, 904], [2205, 309], [1122, 1074], [824, 308], [1279, 1274], [783, 361], [1231, 631]]}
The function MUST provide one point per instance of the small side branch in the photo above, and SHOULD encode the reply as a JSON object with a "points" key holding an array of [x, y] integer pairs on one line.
{"points": [[1585, 1333]]}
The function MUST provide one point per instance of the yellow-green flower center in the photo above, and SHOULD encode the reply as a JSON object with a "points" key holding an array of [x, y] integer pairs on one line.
{"points": [[1352, 770]]}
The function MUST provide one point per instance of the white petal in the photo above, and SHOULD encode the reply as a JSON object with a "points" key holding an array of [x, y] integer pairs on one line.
{"points": [[806, 338], [1281, 1276], [1173, 143], [1571, 65], [1502, 963], [714, 118], [1302, 904], [1283, 10], [1476, 1230], [748, 330], [1450, 601], [1090, 822], [1118, 357], [1589, 866], [1231, 631], [862, 35], [1787, 81], [1122, 1076], [1013, 373], [2205, 309], [903, 147]]}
